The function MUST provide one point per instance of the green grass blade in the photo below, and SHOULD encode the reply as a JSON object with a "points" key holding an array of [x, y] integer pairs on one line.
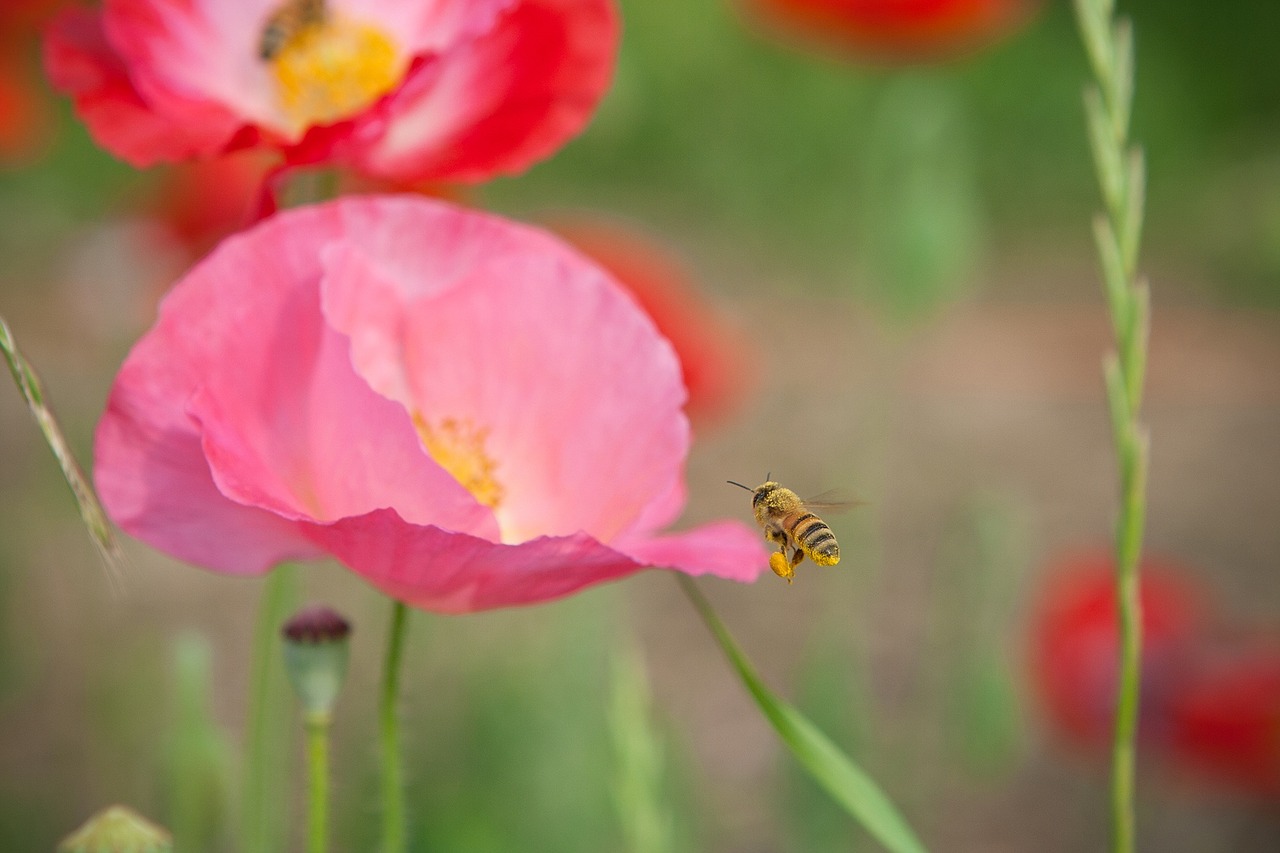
{"points": [[91, 512], [638, 759], [847, 784]]}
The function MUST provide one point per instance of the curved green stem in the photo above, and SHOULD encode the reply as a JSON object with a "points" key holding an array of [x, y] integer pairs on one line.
{"points": [[318, 789], [846, 783], [393, 813]]}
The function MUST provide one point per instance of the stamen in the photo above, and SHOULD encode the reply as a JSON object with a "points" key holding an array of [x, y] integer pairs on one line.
{"points": [[458, 447], [329, 68]]}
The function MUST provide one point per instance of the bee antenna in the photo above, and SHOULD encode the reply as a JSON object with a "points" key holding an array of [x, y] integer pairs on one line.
{"points": [[768, 477], [739, 485]]}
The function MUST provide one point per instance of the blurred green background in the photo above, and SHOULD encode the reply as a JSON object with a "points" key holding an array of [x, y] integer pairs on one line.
{"points": [[915, 241]]}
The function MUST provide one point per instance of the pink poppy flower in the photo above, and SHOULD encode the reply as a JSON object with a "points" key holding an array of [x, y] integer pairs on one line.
{"points": [[462, 410], [897, 30], [404, 89]]}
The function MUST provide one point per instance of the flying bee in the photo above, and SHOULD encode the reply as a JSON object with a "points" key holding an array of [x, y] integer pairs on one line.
{"points": [[788, 522], [287, 21]]}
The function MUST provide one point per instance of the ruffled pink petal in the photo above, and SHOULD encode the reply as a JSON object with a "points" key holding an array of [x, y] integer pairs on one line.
{"points": [[81, 62], [197, 61], [426, 26], [463, 316], [240, 373], [454, 573], [288, 425], [154, 481], [725, 549], [501, 101]]}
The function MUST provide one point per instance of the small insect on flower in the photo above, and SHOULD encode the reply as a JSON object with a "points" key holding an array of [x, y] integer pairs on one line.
{"points": [[287, 22], [789, 523]]}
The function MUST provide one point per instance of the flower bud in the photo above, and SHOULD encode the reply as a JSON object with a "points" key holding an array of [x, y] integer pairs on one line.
{"points": [[117, 829], [315, 656]]}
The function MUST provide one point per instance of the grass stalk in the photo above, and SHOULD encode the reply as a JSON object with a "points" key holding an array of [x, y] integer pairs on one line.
{"points": [[1121, 172], [91, 512]]}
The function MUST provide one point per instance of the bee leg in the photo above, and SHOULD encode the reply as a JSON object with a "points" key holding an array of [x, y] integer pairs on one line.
{"points": [[797, 557], [781, 566]]}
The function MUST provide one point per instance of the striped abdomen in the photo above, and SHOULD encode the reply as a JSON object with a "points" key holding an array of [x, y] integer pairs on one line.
{"points": [[814, 538]]}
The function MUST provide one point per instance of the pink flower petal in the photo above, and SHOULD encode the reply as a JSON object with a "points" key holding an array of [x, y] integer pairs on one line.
{"points": [[256, 384], [502, 101], [196, 61], [153, 479], [603, 386], [80, 61], [455, 573], [725, 549]]}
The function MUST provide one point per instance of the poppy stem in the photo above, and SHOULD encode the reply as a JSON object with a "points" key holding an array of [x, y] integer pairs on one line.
{"points": [[269, 730], [318, 787], [393, 812], [1121, 175]]}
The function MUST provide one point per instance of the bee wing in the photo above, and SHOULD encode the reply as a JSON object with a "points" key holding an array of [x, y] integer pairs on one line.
{"points": [[833, 500]]}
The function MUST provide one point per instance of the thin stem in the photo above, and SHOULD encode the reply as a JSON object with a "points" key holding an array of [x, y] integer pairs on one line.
{"points": [[318, 789], [1122, 176], [269, 724], [393, 812], [91, 512], [846, 783]]}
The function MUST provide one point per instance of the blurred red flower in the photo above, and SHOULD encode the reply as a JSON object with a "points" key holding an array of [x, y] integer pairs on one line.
{"points": [[1210, 701], [714, 357], [1226, 720], [897, 30], [1075, 644], [202, 201], [25, 118]]}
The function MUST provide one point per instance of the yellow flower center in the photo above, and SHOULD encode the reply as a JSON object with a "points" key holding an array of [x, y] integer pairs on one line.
{"points": [[327, 68], [457, 446]]}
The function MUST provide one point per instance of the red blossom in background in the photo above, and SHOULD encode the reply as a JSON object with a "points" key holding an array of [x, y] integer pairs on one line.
{"points": [[462, 410], [715, 361], [1210, 704], [448, 90], [203, 201], [1226, 720], [1076, 641], [896, 30], [25, 118]]}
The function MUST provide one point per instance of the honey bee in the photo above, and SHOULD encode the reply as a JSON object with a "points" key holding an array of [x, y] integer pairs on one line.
{"points": [[286, 22], [789, 523]]}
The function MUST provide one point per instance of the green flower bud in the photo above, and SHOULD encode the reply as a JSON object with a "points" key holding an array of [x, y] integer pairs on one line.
{"points": [[118, 829], [315, 656]]}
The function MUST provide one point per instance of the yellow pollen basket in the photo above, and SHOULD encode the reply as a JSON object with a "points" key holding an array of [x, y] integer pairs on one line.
{"points": [[332, 69], [458, 447]]}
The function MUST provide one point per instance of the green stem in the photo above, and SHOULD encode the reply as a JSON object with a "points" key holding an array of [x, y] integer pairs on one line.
{"points": [[393, 812], [846, 783], [269, 724], [91, 512], [318, 790]]}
